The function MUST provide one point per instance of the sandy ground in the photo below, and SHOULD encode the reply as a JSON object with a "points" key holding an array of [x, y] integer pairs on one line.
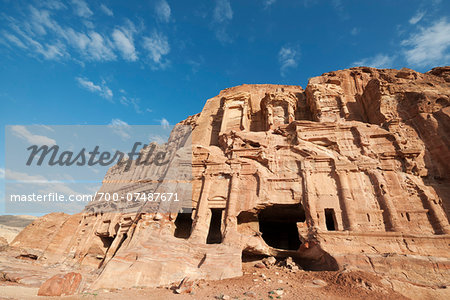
{"points": [[256, 283]]}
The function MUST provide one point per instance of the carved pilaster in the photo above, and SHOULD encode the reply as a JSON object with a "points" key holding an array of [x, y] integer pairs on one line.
{"points": [[200, 226], [346, 199], [309, 199], [437, 215], [385, 200], [230, 232]]}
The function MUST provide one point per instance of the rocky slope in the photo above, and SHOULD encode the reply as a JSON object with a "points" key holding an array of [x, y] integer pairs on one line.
{"points": [[11, 226]]}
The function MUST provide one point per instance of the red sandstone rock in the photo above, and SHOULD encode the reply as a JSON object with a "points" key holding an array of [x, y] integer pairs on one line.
{"points": [[60, 285]]}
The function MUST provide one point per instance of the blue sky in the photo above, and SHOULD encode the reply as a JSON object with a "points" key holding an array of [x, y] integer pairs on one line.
{"points": [[147, 62]]}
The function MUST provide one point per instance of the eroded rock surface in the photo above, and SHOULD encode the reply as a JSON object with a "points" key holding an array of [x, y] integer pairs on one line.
{"points": [[352, 171]]}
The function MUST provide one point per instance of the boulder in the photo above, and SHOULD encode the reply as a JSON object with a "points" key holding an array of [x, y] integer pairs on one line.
{"points": [[60, 285]]}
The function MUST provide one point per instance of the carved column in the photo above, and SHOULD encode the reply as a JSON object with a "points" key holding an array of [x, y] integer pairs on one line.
{"points": [[202, 219], [231, 234], [438, 218], [386, 200], [291, 113], [441, 223], [269, 124], [346, 198], [223, 126], [244, 118], [309, 199]]}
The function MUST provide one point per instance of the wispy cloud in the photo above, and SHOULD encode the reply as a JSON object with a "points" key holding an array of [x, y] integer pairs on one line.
{"points": [[223, 11], [429, 45], [106, 10], [377, 61], [123, 40], [25, 38], [355, 31], [96, 47], [38, 33], [221, 17], [14, 39], [81, 8], [2, 173], [157, 46], [165, 123], [133, 102], [36, 29], [309, 3], [121, 128], [417, 17], [53, 4], [159, 139], [163, 11], [101, 90], [33, 139], [268, 3], [288, 58], [339, 7]]}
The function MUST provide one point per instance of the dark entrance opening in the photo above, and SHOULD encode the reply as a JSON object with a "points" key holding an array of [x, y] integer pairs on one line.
{"points": [[183, 225], [107, 240], [215, 227], [278, 225], [330, 219]]}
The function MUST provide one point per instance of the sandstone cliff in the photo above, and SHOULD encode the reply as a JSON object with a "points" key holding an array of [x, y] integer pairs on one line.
{"points": [[352, 171]]}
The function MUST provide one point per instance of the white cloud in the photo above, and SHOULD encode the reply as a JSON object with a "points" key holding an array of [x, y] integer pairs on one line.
{"points": [[52, 52], [120, 128], [127, 101], [340, 9], [102, 90], [164, 123], [158, 46], [429, 46], [2, 173], [417, 17], [23, 133], [309, 3], [89, 85], [47, 128], [377, 61], [81, 8], [287, 57], [40, 25], [268, 3], [92, 46], [48, 51], [355, 31], [106, 10], [14, 39], [221, 17], [99, 48], [159, 139], [53, 4], [124, 42], [162, 9], [223, 11]]}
